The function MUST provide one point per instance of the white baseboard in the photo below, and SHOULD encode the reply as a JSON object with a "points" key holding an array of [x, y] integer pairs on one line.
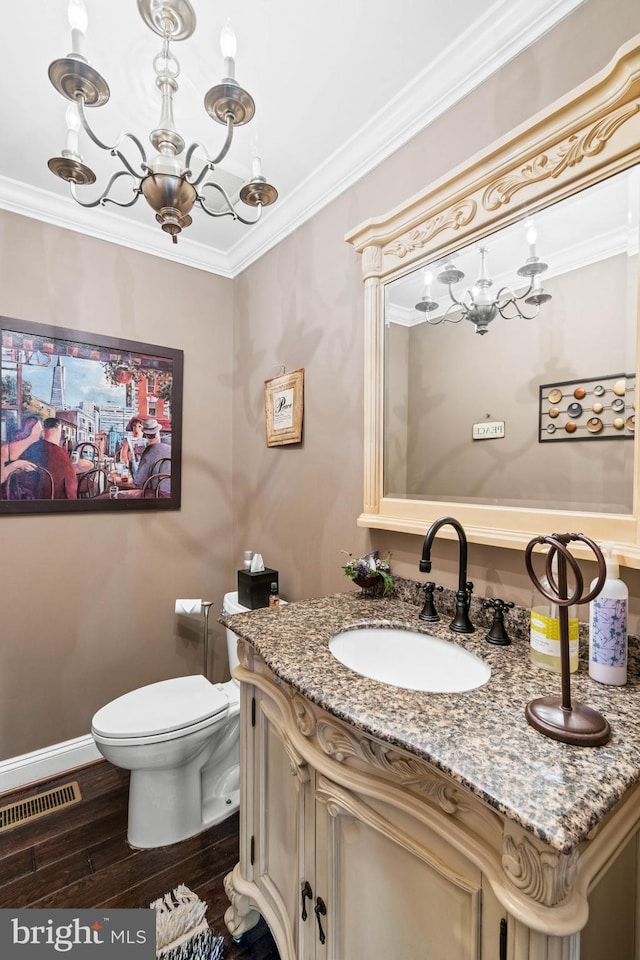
{"points": [[48, 762]]}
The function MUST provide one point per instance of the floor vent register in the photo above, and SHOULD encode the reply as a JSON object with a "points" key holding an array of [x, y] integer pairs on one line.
{"points": [[15, 814]]}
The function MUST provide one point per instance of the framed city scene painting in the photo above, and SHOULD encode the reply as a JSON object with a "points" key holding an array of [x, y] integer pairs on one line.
{"points": [[87, 422]]}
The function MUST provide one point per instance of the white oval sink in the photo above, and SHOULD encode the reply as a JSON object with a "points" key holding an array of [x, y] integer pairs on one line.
{"points": [[408, 659]]}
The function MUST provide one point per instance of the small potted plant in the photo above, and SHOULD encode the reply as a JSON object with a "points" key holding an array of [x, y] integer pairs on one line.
{"points": [[370, 573]]}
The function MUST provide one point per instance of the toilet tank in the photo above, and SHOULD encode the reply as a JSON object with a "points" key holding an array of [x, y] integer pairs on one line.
{"points": [[230, 605]]}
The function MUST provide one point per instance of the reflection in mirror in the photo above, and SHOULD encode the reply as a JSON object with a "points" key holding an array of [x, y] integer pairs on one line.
{"points": [[578, 323], [484, 301]]}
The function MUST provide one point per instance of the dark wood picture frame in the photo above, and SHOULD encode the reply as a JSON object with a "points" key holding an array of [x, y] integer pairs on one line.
{"points": [[44, 370]]}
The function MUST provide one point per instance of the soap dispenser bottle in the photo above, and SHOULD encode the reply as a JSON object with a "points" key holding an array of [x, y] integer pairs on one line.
{"points": [[608, 626], [544, 648]]}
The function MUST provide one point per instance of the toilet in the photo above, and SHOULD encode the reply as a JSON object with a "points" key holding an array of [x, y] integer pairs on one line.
{"points": [[180, 739]]}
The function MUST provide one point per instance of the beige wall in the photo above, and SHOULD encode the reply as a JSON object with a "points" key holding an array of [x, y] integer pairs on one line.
{"points": [[88, 601], [302, 304]]}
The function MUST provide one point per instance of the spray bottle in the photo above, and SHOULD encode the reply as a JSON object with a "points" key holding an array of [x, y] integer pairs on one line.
{"points": [[545, 629], [608, 626]]}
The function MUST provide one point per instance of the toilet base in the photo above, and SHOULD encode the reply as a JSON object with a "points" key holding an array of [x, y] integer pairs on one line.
{"points": [[220, 810], [163, 810], [170, 805]]}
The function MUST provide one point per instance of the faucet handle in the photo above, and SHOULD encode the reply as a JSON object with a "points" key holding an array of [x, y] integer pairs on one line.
{"points": [[429, 612], [498, 634]]}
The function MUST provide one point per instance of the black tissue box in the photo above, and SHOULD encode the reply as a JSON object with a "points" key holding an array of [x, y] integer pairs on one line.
{"points": [[254, 588]]}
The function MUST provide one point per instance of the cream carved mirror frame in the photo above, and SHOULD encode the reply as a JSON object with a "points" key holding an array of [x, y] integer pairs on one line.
{"points": [[589, 135]]}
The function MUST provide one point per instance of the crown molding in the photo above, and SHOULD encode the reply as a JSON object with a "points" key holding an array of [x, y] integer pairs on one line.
{"points": [[506, 29], [62, 211]]}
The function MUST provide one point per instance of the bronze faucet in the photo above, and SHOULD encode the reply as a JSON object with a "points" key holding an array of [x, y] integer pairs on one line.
{"points": [[461, 622]]}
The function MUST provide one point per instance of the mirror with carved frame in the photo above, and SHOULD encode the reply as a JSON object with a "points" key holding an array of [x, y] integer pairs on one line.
{"points": [[583, 148]]}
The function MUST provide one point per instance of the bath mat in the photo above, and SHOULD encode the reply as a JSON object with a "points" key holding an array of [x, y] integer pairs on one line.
{"points": [[182, 933]]}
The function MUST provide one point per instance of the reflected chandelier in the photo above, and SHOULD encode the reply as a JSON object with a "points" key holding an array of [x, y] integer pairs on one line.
{"points": [[168, 184], [479, 305]]}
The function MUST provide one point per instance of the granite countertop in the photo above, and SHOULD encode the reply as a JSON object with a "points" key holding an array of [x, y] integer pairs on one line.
{"points": [[480, 738]]}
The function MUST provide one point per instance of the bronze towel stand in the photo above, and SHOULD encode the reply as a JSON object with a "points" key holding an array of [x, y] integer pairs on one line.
{"points": [[561, 719]]}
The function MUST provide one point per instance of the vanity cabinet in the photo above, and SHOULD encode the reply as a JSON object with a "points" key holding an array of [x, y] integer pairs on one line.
{"points": [[351, 847], [345, 854]]}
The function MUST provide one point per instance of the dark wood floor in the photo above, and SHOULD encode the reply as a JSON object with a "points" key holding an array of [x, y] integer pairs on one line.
{"points": [[79, 857]]}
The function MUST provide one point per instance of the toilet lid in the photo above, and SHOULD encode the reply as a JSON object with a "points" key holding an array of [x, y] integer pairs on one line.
{"points": [[161, 707]]}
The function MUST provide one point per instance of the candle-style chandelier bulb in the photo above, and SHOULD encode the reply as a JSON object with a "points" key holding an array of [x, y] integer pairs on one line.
{"points": [[73, 127], [532, 236], [229, 48], [427, 304], [533, 265], [77, 14], [78, 21], [256, 162], [228, 41]]}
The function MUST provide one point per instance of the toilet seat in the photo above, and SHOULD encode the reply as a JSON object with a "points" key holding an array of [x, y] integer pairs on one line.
{"points": [[165, 710]]}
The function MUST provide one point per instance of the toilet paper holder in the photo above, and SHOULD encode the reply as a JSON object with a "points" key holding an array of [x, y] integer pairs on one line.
{"points": [[206, 607], [191, 607]]}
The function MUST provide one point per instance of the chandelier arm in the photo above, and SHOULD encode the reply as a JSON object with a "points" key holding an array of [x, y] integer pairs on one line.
{"points": [[114, 148], [213, 213], [227, 199], [227, 142], [527, 293], [238, 216], [206, 168], [230, 211], [130, 170], [120, 203], [210, 163], [456, 303], [505, 292], [505, 298], [519, 314], [511, 296], [103, 198]]}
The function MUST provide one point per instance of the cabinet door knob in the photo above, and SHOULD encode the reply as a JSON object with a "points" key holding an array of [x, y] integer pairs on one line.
{"points": [[320, 910], [307, 893]]}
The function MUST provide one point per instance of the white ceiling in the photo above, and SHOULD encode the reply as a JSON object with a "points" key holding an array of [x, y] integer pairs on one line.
{"points": [[337, 88]]}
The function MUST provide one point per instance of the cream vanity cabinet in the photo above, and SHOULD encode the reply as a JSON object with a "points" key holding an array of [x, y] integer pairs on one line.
{"points": [[352, 847], [345, 846]]}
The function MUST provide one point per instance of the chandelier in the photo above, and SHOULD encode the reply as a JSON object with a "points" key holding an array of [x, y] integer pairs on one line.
{"points": [[166, 181], [479, 304]]}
